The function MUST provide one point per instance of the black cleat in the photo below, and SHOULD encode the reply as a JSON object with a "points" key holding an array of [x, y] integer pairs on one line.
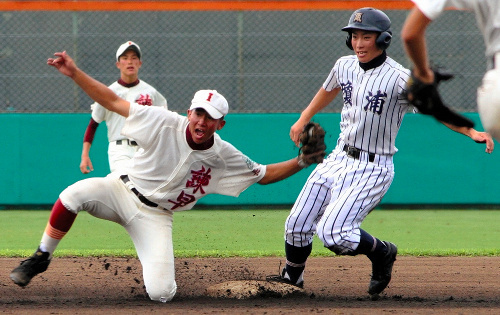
{"points": [[284, 278], [382, 271], [28, 268]]}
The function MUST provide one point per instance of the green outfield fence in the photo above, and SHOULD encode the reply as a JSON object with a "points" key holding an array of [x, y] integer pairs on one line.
{"points": [[434, 165]]}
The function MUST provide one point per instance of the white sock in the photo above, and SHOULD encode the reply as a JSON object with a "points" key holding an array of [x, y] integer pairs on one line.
{"points": [[48, 244]]}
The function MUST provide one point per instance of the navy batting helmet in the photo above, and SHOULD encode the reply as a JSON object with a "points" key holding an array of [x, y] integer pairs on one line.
{"points": [[370, 19]]}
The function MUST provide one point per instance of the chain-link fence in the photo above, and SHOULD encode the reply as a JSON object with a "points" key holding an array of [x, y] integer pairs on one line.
{"points": [[262, 61]]}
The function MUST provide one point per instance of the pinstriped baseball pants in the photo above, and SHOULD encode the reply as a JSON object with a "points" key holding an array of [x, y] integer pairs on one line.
{"points": [[336, 198]]}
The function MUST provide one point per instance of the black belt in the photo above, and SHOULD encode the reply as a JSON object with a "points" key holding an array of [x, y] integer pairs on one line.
{"points": [[129, 142], [355, 153], [143, 199]]}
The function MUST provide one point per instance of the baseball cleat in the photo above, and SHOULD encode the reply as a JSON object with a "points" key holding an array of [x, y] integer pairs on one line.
{"points": [[285, 278], [382, 271], [28, 268]]}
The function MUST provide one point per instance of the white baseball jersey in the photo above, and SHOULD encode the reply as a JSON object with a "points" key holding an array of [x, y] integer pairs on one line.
{"points": [[373, 106], [142, 93], [487, 16], [119, 155], [169, 172], [177, 179]]}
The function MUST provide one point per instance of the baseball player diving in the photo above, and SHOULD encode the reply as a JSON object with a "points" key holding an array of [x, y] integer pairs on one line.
{"points": [[487, 14], [343, 189], [129, 87], [181, 160]]}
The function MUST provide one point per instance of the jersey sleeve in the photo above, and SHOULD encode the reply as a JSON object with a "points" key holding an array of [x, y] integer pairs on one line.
{"points": [[404, 76], [331, 81], [432, 9], [160, 100], [98, 112], [240, 172], [143, 122], [90, 131]]}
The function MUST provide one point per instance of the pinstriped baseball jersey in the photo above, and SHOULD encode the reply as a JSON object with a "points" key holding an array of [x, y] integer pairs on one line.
{"points": [[373, 107], [342, 190]]}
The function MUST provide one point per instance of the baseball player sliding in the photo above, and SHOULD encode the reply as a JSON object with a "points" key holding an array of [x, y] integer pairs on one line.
{"points": [[353, 179], [129, 87], [488, 17], [181, 160]]}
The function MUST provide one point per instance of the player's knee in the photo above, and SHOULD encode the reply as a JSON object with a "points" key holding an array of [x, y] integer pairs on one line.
{"points": [[342, 250], [339, 244], [159, 280], [328, 239], [164, 294]]}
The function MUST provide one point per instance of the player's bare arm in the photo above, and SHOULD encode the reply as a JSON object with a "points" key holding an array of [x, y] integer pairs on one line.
{"points": [[279, 171], [86, 164], [413, 35], [95, 89], [282, 170], [477, 136], [320, 101]]}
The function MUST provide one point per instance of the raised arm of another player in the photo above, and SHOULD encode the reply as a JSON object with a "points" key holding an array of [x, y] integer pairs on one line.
{"points": [[477, 136], [320, 101], [413, 35], [95, 89]]}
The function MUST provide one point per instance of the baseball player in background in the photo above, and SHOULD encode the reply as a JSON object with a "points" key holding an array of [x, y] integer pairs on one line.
{"points": [[129, 87], [488, 18], [352, 180], [181, 160]]}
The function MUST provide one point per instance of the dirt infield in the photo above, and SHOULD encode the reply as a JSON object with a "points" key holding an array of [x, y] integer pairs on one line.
{"points": [[420, 285]]}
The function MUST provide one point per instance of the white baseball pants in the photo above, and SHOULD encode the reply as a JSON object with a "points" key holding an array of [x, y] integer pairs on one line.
{"points": [[150, 229], [119, 155]]}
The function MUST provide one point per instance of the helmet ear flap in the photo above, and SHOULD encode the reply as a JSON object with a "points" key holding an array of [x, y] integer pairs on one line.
{"points": [[383, 40], [348, 41]]}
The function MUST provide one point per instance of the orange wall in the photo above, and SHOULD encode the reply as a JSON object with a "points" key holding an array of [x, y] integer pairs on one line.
{"points": [[94, 5]]}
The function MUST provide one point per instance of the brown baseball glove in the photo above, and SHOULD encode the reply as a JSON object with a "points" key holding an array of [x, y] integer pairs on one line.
{"points": [[312, 144]]}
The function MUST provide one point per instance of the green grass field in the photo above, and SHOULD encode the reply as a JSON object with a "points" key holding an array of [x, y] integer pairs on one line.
{"points": [[251, 233]]}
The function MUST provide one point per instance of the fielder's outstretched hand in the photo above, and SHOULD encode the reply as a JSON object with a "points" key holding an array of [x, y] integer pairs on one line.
{"points": [[483, 137], [96, 90], [477, 136], [64, 63]]}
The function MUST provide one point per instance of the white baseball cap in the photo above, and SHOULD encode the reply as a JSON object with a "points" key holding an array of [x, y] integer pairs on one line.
{"points": [[126, 46], [212, 101]]}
